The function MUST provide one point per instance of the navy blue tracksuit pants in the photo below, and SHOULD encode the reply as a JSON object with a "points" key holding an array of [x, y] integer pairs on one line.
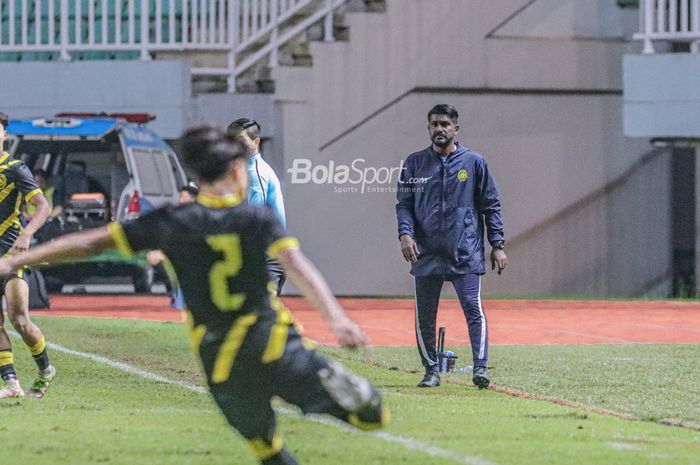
{"points": [[468, 288]]}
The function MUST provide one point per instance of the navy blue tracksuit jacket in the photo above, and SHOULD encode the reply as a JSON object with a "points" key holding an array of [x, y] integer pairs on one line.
{"points": [[445, 208]]}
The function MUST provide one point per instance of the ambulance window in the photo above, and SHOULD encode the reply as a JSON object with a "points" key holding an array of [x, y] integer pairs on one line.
{"points": [[166, 181], [147, 172], [177, 173]]}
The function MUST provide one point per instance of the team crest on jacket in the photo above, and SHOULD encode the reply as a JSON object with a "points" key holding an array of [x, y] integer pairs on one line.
{"points": [[462, 175], [3, 181]]}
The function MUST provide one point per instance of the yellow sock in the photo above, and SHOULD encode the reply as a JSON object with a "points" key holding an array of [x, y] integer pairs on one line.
{"points": [[7, 366], [6, 358], [39, 347], [264, 450]]}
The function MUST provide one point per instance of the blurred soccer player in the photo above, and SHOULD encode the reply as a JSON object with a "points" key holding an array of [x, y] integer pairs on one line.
{"points": [[18, 185], [245, 337], [263, 185], [43, 180]]}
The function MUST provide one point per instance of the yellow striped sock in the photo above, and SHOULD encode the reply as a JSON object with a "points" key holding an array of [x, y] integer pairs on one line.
{"points": [[263, 449], [6, 358], [39, 347]]}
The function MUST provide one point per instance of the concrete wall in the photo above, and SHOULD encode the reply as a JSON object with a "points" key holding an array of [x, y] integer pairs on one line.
{"points": [[223, 108], [547, 156], [539, 87], [46, 88], [594, 19], [586, 210], [159, 87], [662, 96]]}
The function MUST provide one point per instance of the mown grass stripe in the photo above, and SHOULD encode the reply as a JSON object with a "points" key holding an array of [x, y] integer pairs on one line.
{"points": [[406, 442]]}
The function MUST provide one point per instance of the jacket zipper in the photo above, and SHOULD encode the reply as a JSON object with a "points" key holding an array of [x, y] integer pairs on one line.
{"points": [[443, 171]]}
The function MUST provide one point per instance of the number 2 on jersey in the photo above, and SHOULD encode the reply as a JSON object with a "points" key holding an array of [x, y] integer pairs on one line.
{"points": [[230, 246]]}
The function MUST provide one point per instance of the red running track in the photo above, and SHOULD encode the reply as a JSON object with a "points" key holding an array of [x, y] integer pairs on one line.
{"points": [[389, 322]]}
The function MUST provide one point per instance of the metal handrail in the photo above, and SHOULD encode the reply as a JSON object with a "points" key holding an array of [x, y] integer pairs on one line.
{"points": [[245, 30], [670, 21]]}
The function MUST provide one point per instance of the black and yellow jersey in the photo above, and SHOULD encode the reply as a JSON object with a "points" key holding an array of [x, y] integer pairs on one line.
{"points": [[218, 248], [16, 185]]}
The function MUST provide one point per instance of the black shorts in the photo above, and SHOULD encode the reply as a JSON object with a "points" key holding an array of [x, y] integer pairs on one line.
{"points": [[244, 398], [22, 273]]}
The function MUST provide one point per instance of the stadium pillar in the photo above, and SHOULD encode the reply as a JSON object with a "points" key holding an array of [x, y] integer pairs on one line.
{"points": [[697, 218]]}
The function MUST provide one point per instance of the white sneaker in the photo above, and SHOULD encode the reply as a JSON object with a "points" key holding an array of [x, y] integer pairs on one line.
{"points": [[11, 389]]}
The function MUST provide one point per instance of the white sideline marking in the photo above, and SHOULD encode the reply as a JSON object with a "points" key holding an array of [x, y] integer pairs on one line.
{"points": [[406, 442], [127, 368]]}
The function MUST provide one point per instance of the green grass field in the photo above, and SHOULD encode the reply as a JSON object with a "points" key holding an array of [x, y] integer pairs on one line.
{"points": [[96, 413]]}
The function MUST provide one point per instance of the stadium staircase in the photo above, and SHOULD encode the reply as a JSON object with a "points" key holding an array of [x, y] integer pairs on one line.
{"points": [[232, 44]]}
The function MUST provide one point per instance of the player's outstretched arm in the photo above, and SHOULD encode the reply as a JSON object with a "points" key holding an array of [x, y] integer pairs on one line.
{"points": [[41, 212], [308, 279], [72, 246]]}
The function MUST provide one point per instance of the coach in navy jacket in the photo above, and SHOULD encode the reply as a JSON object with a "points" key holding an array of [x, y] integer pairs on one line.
{"points": [[446, 197]]}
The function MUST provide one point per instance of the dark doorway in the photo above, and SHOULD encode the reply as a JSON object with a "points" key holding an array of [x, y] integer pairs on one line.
{"points": [[683, 221]]}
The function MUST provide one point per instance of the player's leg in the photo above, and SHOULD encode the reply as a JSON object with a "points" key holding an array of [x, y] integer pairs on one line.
{"points": [[427, 299], [248, 410], [468, 288], [318, 385], [17, 296], [11, 387], [240, 385]]}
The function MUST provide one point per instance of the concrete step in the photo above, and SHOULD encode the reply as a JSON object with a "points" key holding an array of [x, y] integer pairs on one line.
{"points": [[340, 31], [375, 6], [368, 6], [296, 53]]}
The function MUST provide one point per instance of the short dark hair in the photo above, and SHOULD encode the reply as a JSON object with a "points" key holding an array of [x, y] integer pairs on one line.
{"points": [[209, 152], [191, 188], [244, 124], [4, 119], [444, 109]]}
